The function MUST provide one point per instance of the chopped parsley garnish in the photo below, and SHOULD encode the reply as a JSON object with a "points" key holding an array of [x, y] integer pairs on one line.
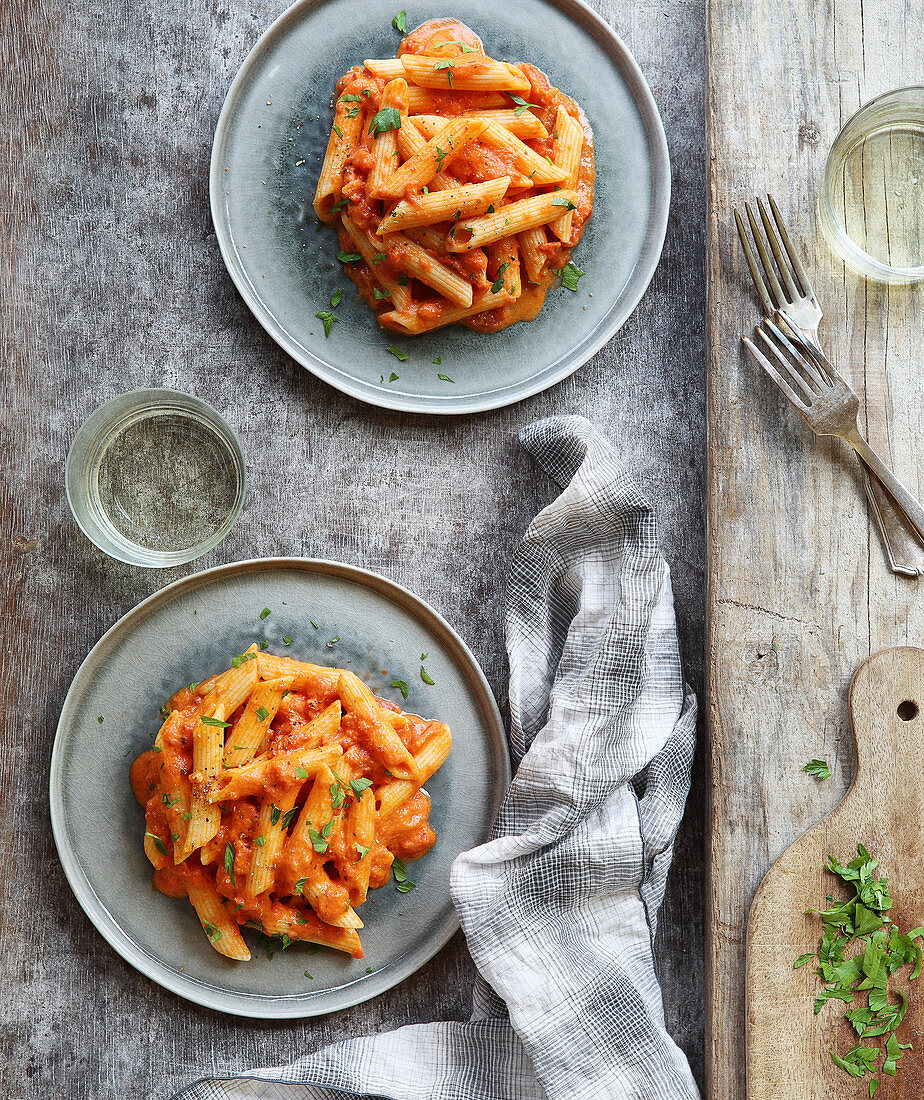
{"points": [[208, 721], [193, 685], [379, 258], [402, 882], [521, 103], [440, 156], [400, 22], [569, 275], [863, 919], [158, 843], [456, 42], [313, 623], [351, 99], [265, 613], [560, 200], [348, 257], [301, 773], [307, 975], [380, 294], [438, 360], [403, 280], [362, 852], [100, 719], [447, 64], [393, 377], [337, 795], [211, 931], [359, 785], [259, 841], [319, 839], [818, 768], [337, 130], [168, 801], [300, 885], [262, 713], [498, 283], [237, 661], [339, 205], [397, 353], [327, 319], [389, 118], [490, 209], [401, 686], [446, 378], [336, 638], [264, 646], [274, 813], [425, 676], [352, 112], [229, 862], [337, 298], [286, 641], [289, 816]]}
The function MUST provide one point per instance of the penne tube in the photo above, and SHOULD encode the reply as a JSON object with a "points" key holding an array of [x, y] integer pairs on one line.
{"points": [[345, 133], [232, 686], [430, 758], [536, 168], [359, 837], [524, 125], [385, 144], [427, 237], [471, 200], [515, 217], [421, 264], [248, 731], [388, 67], [505, 265], [468, 73], [283, 770], [417, 322], [271, 830], [567, 145], [305, 677], [423, 101], [417, 172], [208, 749], [223, 933], [411, 141], [315, 733], [531, 252], [380, 738], [371, 251], [303, 924]]}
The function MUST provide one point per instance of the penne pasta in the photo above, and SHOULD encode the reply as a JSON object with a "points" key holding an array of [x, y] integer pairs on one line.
{"points": [[371, 251], [423, 265], [504, 266], [381, 740], [468, 201], [388, 67], [515, 217], [422, 320], [468, 73], [567, 145], [342, 143], [385, 144], [411, 141], [208, 747], [223, 933], [531, 242], [537, 169], [522, 125], [247, 732], [422, 101], [431, 758], [430, 159], [286, 769]]}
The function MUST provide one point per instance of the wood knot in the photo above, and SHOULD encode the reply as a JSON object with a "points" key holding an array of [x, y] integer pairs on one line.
{"points": [[809, 134]]}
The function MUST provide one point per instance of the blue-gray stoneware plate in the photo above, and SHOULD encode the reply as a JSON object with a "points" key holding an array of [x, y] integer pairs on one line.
{"points": [[267, 154], [186, 632]]}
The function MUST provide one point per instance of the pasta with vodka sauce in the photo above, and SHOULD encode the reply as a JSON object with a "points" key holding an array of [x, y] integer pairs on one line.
{"points": [[459, 184], [278, 793]]}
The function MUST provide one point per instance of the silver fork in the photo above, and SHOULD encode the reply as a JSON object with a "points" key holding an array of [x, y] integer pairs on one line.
{"points": [[827, 404], [794, 300]]}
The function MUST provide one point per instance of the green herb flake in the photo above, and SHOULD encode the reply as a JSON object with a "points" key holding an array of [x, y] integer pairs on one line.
{"points": [[380, 294], [400, 22], [351, 99], [521, 103], [424, 675], [333, 641], [337, 298], [360, 785], [362, 851], [307, 975], [229, 862], [498, 283], [327, 319], [265, 613], [560, 200], [389, 118], [208, 721], [397, 353], [337, 795], [211, 931], [337, 130], [300, 885], [275, 813], [401, 686], [379, 258], [286, 641], [318, 842], [289, 816], [301, 773], [158, 843], [818, 768], [348, 257], [569, 275], [393, 377], [237, 661], [262, 713], [446, 378], [447, 64]]}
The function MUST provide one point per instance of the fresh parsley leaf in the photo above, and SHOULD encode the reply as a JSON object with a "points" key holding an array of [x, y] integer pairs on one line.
{"points": [[521, 103], [362, 852], [313, 623], [301, 773], [560, 200], [337, 298], [265, 613], [818, 768], [237, 661], [351, 99], [379, 258], [209, 721], [425, 676], [438, 360], [337, 795], [211, 931], [307, 975], [158, 843], [498, 283], [289, 816], [569, 275], [400, 22], [262, 713], [397, 353], [336, 638], [259, 841], [286, 641], [393, 377], [352, 112], [399, 870], [447, 64], [275, 813], [360, 785], [401, 686], [318, 842], [229, 862], [380, 294], [389, 118], [300, 885], [327, 319], [337, 130], [348, 257], [328, 829], [406, 887]]}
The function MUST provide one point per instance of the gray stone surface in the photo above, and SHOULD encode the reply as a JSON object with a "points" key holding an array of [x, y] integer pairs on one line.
{"points": [[110, 279]]}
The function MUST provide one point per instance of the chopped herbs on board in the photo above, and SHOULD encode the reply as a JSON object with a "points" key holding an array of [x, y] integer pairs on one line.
{"points": [[818, 768], [879, 950]]}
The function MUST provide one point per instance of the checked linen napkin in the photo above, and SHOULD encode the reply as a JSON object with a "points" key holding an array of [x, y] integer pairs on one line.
{"points": [[559, 907]]}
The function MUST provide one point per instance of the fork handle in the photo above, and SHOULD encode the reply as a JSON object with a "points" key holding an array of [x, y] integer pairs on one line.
{"points": [[912, 509]]}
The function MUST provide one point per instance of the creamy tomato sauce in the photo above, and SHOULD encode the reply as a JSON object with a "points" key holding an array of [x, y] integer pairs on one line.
{"points": [[476, 163]]}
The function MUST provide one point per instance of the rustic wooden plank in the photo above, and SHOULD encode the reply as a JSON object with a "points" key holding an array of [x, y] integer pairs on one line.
{"points": [[113, 280], [799, 592]]}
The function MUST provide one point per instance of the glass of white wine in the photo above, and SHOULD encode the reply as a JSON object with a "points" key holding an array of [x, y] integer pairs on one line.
{"points": [[871, 204], [155, 478]]}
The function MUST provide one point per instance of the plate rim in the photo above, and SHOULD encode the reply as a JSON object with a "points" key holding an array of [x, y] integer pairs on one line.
{"points": [[637, 284], [259, 1005]]}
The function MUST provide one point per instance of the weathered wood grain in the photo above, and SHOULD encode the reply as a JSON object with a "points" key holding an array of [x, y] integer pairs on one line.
{"points": [[111, 279], [799, 592]]}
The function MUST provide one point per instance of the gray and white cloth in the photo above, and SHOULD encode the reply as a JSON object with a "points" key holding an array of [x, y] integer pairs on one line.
{"points": [[559, 907]]}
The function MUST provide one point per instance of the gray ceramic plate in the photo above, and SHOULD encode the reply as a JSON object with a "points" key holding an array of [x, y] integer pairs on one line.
{"points": [[186, 632], [267, 154]]}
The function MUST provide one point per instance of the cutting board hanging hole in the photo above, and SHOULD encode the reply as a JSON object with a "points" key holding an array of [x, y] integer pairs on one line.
{"points": [[908, 710]]}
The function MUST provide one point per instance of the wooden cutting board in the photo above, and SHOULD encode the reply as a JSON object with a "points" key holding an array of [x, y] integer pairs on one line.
{"points": [[787, 1046]]}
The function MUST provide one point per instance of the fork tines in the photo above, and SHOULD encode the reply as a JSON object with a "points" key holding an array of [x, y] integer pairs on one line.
{"points": [[788, 366], [778, 295]]}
